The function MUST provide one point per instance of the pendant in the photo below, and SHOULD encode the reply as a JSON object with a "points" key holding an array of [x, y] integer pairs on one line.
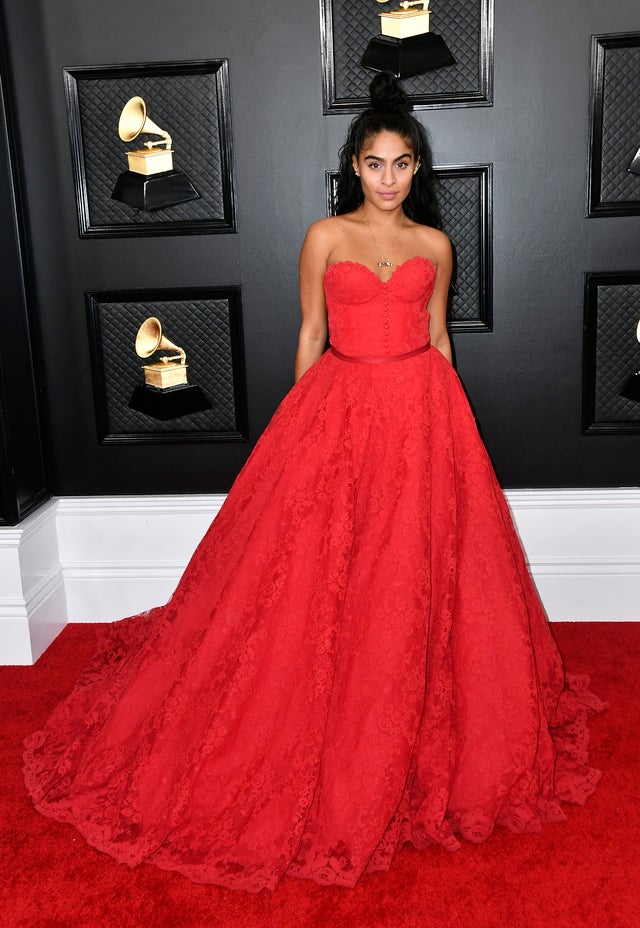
{"points": [[384, 263]]}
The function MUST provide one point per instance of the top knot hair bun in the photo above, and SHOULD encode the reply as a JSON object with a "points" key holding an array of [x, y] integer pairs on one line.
{"points": [[387, 94]]}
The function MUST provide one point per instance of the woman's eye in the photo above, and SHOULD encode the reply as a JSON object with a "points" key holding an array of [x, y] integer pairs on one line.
{"points": [[402, 164]]}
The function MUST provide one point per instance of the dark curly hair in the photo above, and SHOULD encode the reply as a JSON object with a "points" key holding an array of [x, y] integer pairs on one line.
{"points": [[389, 112]]}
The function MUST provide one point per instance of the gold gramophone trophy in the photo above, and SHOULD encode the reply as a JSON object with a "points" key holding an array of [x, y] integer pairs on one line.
{"points": [[170, 370], [634, 165], [406, 46], [166, 393], [151, 181], [631, 388]]}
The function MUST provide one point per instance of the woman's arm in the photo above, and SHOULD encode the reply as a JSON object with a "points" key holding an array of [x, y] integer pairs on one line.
{"points": [[438, 302], [314, 328]]}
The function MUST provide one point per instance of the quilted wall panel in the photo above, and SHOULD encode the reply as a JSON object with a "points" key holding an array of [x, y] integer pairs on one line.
{"points": [[612, 351], [465, 25], [187, 100], [464, 195], [206, 326], [615, 129]]}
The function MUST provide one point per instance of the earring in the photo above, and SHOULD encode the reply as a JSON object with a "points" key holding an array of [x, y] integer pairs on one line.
{"points": [[356, 173]]}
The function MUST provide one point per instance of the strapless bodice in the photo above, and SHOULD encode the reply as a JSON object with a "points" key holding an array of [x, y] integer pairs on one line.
{"points": [[368, 316]]}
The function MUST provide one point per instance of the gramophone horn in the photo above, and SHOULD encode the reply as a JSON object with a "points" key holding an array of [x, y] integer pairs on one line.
{"points": [[134, 121], [150, 339]]}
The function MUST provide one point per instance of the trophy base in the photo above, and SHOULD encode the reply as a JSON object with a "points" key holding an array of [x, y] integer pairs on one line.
{"points": [[164, 376], [170, 403], [150, 160], [407, 57], [154, 191], [631, 388], [402, 24]]}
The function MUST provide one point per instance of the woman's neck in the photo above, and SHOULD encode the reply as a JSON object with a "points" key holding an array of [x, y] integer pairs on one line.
{"points": [[388, 219]]}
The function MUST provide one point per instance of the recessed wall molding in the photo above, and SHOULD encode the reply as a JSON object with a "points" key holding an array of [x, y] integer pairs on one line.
{"points": [[465, 197], [611, 352], [612, 190], [204, 321], [465, 25], [189, 99]]}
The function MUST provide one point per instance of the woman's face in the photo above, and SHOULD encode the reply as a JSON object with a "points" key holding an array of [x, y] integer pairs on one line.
{"points": [[386, 166]]}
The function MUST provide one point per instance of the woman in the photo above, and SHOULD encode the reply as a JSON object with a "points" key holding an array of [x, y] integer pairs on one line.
{"points": [[386, 206], [355, 656]]}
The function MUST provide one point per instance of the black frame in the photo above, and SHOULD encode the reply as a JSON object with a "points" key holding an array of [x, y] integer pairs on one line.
{"points": [[596, 206], [481, 96], [93, 300], [484, 320], [153, 225], [590, 425], [23, 473], [484, 172]]}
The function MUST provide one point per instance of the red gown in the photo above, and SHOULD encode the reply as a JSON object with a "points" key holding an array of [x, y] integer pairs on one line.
{"points": [[355, 656]]}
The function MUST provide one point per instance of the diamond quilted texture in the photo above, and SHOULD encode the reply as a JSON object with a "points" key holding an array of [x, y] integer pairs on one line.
{"points": [[459, 22], [460, 204], [620, 124], [185, 105], [203, 328], [617, 351]]}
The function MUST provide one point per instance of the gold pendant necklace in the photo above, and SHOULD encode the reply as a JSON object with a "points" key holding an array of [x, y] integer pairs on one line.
{"points": [[383, 262]]}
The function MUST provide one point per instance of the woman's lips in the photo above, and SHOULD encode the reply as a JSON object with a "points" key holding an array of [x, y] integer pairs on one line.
{"points": [[387, 196]]}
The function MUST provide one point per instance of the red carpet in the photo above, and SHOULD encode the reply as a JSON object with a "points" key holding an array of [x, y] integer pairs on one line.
{"points": [[584, 873]]}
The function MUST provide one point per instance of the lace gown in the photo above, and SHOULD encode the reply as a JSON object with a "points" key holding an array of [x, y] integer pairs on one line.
{"points": [[355, 656]]}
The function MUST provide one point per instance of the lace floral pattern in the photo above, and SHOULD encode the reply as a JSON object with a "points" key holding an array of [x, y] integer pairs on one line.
{"points": [[355, 656]]}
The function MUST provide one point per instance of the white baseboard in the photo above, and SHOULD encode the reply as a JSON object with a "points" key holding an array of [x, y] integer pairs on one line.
{"points": [[33, 609], [583, 548], [97, 559], [122, 555]]}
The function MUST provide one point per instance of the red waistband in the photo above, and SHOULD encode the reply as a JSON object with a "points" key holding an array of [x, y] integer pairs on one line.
{"points": [[380, 359]]}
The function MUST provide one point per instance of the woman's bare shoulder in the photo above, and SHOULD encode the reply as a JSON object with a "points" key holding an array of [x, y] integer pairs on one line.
{"points": [[324, 230], [324, 235]]}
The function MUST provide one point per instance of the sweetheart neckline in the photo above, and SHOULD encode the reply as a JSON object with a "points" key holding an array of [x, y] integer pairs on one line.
{"points": [[373, 273]]}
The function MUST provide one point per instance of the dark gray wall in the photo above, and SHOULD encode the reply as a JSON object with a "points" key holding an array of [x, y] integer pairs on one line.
{"points": [[524, 378]]}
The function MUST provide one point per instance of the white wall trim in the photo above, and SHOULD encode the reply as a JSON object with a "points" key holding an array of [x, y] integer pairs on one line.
{"points": [[158, 505], [593, 499], [583, 547], [33, 609], [123, 555], [96, 559]]}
